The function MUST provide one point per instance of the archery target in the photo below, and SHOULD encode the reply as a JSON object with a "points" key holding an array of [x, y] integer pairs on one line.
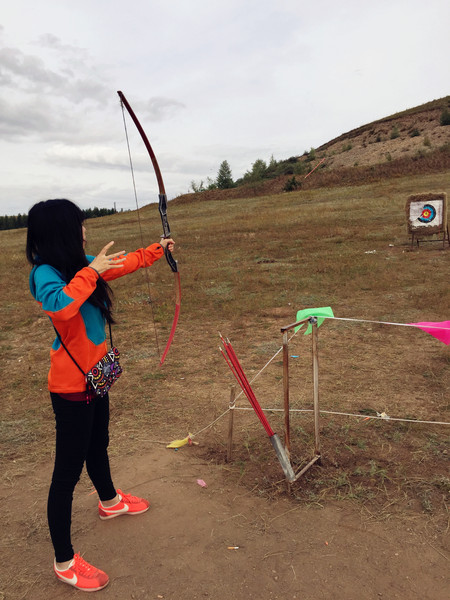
{"points": [[427, 213]]}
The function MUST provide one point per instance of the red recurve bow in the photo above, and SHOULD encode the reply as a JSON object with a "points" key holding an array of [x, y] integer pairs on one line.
{"points": [[165, 223]]}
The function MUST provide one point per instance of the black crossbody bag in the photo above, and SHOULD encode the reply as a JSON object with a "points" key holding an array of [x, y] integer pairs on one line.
{"points": [[103, 374]]}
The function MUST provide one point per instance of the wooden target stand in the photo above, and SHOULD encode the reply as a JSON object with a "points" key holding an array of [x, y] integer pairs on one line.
{"points": [[287, 435], [426, 215]]}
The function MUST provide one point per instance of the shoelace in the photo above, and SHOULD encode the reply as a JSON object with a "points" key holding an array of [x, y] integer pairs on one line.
{"points": [[82, 567], [128, 498]]}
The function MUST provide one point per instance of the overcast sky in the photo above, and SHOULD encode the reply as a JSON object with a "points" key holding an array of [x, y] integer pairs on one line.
{"points": [[210, 80]]}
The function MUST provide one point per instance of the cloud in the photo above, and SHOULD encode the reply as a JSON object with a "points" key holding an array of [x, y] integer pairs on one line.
{"points": [[29, 73], [26, 71], [159, 108], [51, 41], [28, 119], [90, 156], [37, 97], [57, 94], [156, 108]]}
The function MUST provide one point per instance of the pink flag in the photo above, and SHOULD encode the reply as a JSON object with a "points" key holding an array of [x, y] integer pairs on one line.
{"points": [[441, 330]]}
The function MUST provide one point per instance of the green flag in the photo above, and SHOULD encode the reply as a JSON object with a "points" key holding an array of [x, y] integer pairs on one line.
{"points": [[320, 313]]}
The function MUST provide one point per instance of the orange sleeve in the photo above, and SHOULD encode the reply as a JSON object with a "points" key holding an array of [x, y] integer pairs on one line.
{"points": [[144, 257]]}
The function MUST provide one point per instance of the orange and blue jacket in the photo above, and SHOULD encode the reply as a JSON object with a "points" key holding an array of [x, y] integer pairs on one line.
{"points": [[80, 324]]}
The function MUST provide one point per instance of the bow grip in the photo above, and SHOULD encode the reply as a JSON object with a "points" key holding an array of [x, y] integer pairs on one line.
{"points": [[166, 229], [170, 259]]}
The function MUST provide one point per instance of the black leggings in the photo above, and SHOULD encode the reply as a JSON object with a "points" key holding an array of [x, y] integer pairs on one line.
{"points": [[81, 436]]}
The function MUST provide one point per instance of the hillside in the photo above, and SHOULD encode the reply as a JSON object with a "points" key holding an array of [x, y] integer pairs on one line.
{"points": [[413, 132], [406, 143]]}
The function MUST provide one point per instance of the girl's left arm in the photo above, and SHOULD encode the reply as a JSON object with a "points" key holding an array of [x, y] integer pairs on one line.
{"points": [[144, 257]]}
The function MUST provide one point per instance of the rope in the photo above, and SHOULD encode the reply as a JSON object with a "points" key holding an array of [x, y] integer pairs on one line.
{"points": [[331, 412], [325, 412], [385, 323], [215, 421], [267, 364]]}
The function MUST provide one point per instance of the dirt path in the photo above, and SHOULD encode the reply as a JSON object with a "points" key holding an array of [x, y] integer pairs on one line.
{"points": [[180, 548]]}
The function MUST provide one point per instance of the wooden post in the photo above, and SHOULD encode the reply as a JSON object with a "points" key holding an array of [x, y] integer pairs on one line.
{"points": [[287, 430], [315, 358], [231, 422]]}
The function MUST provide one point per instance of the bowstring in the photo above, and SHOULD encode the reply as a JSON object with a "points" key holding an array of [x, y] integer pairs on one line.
{"points": [[147, 277]]}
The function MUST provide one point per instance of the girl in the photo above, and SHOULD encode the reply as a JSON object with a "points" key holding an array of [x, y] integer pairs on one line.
{"points": [[72, 290]]}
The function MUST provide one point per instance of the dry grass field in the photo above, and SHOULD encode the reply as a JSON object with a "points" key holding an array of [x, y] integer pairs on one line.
{"points": [[247, 265]]}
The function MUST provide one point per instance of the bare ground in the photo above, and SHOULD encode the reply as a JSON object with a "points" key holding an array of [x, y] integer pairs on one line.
{"points": [[370, 522], [218, 542]]}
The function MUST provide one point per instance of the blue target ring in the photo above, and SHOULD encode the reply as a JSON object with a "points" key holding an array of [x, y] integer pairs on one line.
{"points": [[428, 214]]}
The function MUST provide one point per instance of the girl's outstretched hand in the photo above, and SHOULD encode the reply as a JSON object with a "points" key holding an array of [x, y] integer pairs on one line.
{"points": [[167, 242], [102, 262]]}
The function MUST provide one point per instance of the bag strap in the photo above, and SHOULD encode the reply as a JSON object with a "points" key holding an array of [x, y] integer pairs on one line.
{"points": [[65, 348]]}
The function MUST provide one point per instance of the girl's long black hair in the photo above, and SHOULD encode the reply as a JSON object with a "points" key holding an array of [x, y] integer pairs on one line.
{"points": [[55, 238]]}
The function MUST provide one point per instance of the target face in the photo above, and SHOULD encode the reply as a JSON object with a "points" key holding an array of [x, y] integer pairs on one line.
{"points": [[428, 214]]}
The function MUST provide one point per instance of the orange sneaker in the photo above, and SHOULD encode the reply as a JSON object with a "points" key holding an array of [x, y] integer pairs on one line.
{"points": [[82, 575], [127, 505]]}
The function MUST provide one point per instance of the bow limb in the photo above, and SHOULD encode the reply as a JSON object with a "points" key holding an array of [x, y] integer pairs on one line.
{"points": [[175, 318], [165, 223]]}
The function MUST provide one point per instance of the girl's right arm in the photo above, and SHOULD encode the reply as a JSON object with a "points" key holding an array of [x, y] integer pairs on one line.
{"points": [[103, 262]]}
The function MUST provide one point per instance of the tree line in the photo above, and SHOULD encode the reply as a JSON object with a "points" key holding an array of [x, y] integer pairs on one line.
{"points": [[19, 221], [259, 171]]}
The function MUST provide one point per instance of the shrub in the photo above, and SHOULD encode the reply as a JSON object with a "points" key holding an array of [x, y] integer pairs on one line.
{"points": [[272, 168], [311, 155], [211, 184], [197, 187], [291, 184], [300, 168], [395, 133], [414, 132], [445, 117]]}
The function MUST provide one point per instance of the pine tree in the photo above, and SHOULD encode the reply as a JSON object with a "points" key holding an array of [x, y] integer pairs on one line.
{"points": [[224, 178]]}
